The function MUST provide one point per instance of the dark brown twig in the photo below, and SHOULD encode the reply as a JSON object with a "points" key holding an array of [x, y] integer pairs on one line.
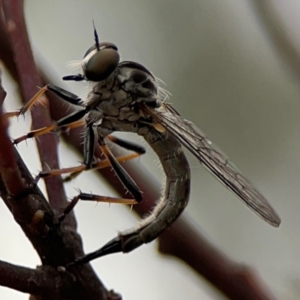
{"points": [[8, 165], [32, 281]]}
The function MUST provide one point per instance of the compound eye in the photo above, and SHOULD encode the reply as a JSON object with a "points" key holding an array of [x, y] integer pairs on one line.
{"points": [[101, 64], [98, 64]]}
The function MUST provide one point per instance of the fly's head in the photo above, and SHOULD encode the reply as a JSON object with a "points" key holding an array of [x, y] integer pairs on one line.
{"points": [[98, 63]]}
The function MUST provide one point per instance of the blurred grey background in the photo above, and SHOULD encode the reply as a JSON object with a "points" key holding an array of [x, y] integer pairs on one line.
{"points": [[226, 75]]}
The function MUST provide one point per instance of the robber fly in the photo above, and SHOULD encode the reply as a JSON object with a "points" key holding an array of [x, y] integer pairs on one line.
{"points": [[125, 96]]}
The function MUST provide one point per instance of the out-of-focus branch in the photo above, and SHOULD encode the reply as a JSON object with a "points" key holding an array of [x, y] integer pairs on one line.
{"points": [[8, 164], [280, 38], [235, 280], [29, 80]]}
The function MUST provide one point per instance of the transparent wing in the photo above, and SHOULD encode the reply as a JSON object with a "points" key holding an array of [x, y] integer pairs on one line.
{"points": [[213, 159]]}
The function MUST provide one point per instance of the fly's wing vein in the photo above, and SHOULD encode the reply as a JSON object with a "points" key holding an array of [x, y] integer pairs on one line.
{"points": [[214, 160]]}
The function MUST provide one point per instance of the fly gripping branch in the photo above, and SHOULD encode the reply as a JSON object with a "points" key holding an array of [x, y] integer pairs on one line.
{"points": [[125, 96]]}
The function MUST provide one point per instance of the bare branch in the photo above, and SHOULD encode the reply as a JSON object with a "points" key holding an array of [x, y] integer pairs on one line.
{"points": [[29, 80], [48, 283], [8, 166], [33, 281]]}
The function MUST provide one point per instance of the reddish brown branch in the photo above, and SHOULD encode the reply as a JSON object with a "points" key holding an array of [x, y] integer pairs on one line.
{"points": [[29, 80], [8, 165]]}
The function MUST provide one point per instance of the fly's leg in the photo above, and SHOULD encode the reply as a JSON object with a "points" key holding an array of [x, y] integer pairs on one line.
{"points": [[110, 161], [28, 105], [89, 143], [75, 171], [124, 177], [113, 246], [65, 95], [126, 144], [139, 150], [70, 121], [89, 139], [92, 197]]}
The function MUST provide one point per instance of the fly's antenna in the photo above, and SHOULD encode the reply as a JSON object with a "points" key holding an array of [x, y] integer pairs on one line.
{"points": [[96, 37]]}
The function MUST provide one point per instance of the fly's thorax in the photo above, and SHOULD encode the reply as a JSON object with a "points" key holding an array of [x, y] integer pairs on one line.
{"points": [[137, 80], [121, 94], [102, 91]]}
